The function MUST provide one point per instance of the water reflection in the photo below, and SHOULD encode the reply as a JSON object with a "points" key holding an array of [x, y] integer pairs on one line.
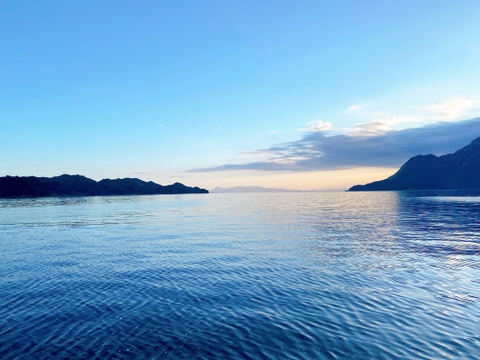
{"points": [[441, 222], [414, 254]]}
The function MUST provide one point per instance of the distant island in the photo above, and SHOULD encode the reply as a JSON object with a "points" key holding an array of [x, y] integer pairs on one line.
{"points": [[78, 185], [249, 189], [460, 170]]}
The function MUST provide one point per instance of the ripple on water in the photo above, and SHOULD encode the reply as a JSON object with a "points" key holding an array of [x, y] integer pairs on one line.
{"points": [[290, 276]]}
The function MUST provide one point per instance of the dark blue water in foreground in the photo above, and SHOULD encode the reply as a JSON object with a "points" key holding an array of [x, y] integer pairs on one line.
{"points": [[237, 276]]}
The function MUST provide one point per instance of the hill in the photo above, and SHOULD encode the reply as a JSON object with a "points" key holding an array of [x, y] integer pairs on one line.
{"points": [[460, 170], [78, 185], [22, 186]]}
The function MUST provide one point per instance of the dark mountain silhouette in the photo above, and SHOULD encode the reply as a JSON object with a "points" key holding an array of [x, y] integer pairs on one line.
{"points": [[460, 170], [14, 186], [78, 185], [72, 185]]}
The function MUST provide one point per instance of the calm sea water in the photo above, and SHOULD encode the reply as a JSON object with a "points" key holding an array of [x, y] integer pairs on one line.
{"points": [[380, 275]]}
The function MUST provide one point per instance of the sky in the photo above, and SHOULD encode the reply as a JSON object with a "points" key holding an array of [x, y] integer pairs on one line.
{"points": [[285, 94]]}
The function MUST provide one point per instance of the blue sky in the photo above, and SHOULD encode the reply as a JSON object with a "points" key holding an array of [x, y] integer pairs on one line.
{"points": [[296, 94]]}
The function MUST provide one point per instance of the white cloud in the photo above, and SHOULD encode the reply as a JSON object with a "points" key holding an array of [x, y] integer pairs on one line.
{"points": [[378, 126], [315, 126], [286, 160], [373, 128], [451, 109], [354, 108]]}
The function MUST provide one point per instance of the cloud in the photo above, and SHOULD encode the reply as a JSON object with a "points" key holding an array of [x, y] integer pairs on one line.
{"points": [[354, 108], [378, 126], [371, 129], [319, 125], [318, 151], [451, 109]]}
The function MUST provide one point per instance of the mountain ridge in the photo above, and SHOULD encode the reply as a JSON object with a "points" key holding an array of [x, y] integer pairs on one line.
{"points": [[458, 170], [79, 185]]}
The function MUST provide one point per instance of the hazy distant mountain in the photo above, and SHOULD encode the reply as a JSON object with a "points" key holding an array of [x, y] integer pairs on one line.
{"points": [[460, 170], [78, 185], [249, 189]]}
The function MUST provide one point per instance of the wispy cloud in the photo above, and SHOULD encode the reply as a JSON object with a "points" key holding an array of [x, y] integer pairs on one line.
{"points": [[378, 126], [354, 108], [319, 125], [451, 109], [376, 147], [371, 129]]}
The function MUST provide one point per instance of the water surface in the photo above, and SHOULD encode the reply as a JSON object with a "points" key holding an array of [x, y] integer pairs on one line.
{"points": [[379, 275]]}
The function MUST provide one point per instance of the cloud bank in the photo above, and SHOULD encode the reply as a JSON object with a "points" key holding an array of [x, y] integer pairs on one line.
{"points": [[317, 150]]}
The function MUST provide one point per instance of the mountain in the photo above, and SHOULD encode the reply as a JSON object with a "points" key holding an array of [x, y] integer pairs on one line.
{"points": [[78, 185], [20, 186], [460, 170], [71, 185], [249, 189]]}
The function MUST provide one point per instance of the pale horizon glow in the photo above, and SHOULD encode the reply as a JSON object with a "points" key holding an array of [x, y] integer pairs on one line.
{"points": [[310, 95]]}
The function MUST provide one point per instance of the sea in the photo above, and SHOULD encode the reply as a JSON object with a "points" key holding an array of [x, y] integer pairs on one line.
{"points": [[319, 275]]}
